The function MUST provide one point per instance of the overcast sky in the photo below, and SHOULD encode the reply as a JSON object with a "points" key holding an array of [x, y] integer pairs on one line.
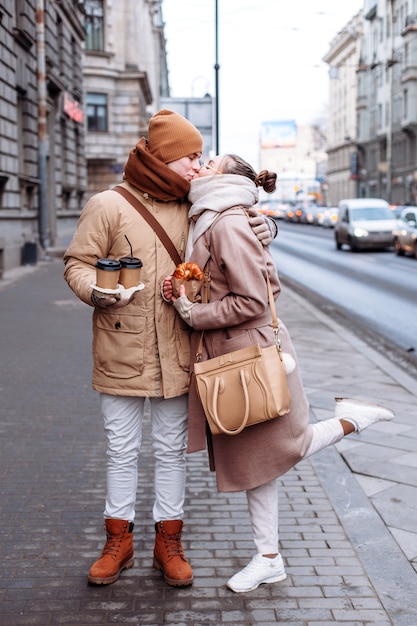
{"points": [[270, 55]]}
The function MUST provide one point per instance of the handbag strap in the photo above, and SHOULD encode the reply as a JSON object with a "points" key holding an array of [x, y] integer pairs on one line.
{"points": [[274, 317], [275, 324], [152, 221]]}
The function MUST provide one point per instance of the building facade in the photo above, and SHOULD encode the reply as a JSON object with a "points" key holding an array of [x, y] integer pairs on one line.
{"points": [[343, 60], [42, 162], [374, 60], [387, 102], [125, 74]]}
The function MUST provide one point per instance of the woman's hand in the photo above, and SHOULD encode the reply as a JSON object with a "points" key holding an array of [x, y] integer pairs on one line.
{"points": [[183, 306]]}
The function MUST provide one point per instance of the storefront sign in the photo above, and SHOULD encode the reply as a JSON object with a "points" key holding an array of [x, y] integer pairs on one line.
{"points": [[73, 109]]}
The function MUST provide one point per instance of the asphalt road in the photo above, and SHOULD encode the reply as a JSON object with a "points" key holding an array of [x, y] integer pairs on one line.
{"points": [[374, 293]]}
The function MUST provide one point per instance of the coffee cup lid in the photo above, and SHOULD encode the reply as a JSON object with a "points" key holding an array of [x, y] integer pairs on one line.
{"points": [[110, 265], [130, 262]]}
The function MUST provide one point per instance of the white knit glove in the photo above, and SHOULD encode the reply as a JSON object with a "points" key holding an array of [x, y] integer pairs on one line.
{"points": [[103, 300], [183, 307], [116, 301]]}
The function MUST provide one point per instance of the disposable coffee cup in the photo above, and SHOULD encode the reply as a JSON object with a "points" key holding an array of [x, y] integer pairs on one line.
{"points": [[107, 273], [131, 268]]}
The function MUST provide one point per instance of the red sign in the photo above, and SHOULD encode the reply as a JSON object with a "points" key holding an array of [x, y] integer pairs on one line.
{"points": [[73, 109]]}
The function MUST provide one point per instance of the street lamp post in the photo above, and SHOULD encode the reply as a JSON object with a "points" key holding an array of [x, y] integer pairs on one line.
{"points": [[216, 68]]}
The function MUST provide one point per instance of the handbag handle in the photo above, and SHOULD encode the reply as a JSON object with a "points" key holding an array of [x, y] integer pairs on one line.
{"points": [[214, 415], [153, 223]]}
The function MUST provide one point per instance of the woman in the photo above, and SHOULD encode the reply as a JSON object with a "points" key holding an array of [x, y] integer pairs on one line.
{"points": [[237, 316]]}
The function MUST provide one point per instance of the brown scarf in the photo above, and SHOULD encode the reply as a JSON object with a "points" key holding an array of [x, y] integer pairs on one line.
{"points": [[152, 176]]}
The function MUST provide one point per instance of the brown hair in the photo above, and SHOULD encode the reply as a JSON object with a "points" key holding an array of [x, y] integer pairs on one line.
{"points": [[233, 164]]}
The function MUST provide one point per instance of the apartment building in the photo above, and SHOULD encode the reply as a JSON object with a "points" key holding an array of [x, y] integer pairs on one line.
{"points": [[343, 60], [125, 74], [387, 111], [373, 60], [42, 164]]}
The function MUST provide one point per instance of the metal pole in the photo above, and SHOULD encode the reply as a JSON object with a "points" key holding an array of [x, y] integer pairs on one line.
{"points": [[42, 130], [390, 61], [217, 67]]}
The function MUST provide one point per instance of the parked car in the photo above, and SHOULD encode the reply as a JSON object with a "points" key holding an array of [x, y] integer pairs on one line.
{"points": [[409, 214], [312, 213], [405, 236], [328, 217], [365, 223], [272, 208], [398, 209], [294, 213]]}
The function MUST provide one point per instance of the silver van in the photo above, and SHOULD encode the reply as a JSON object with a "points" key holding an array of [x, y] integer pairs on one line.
{"points": [[365, 223]]}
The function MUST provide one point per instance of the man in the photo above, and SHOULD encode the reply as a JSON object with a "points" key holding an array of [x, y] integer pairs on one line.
{"points": [[140, 346]]}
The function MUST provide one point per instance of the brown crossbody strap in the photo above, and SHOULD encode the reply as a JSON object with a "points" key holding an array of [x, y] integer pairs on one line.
{"points": [[275, 324], [152, 221]]}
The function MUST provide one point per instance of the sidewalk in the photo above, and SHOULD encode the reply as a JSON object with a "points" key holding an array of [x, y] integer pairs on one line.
{"points": [[348, 527]]}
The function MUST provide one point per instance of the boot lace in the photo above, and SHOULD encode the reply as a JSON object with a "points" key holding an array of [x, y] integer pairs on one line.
{"points": [[113, 544], [174, 546]]}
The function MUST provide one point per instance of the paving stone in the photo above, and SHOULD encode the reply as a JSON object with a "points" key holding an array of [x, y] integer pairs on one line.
{"points": [[344, 566]]}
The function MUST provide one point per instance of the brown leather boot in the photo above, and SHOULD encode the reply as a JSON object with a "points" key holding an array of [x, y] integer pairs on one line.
{"points": [[117, 553], [169, 556]]}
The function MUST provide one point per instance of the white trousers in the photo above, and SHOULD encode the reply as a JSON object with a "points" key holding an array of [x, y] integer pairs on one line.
{"points": [[263, 500], [123, 421]]}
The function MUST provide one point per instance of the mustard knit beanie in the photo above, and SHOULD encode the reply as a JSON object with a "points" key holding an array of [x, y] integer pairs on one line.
{"points": [[172, 137]]}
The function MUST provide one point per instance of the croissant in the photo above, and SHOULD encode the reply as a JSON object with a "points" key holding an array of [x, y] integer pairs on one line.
{"points": [[188, 271]]}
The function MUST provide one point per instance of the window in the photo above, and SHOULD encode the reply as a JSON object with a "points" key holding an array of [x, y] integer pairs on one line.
{"points": [[97, 112], [94, 25], [380, 112]]}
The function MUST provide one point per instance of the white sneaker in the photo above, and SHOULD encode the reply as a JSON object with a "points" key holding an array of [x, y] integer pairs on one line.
{"points": [[361, 414], [259, 570]]}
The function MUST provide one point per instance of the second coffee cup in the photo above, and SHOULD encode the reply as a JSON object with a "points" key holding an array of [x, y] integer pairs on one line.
{"points": [[131, 268]]}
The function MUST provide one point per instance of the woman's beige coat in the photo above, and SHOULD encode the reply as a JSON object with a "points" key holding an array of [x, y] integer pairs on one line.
{"points": [[238, 315], [142, 349]]}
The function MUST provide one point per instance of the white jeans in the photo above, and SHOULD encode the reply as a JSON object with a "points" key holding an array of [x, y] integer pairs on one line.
{"points": [[263, 500], [123, 420]]}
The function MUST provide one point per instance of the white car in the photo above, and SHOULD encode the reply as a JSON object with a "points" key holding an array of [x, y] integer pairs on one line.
{"points": [[365, 223], [329, 217]]}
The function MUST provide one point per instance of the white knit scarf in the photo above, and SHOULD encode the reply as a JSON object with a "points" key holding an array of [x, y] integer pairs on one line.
{"points": [[211, 195]]}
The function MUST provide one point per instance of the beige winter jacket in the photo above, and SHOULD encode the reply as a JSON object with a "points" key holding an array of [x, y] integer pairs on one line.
{"points": [[143, 348]]}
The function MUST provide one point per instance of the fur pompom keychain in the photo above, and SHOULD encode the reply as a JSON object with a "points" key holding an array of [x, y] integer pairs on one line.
{"points": [[289, 363]]}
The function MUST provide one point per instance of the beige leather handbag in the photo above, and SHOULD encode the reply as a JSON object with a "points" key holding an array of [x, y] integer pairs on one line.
{"points": [[245, 387]]}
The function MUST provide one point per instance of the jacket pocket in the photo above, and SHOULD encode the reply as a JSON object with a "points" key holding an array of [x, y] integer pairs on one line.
{"points": [[217, 344], [182, 334], [119, 345]]}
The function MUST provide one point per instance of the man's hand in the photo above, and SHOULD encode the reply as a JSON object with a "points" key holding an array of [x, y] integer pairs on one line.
{"points": [[166, 289], [113, 302], [264, 228]]}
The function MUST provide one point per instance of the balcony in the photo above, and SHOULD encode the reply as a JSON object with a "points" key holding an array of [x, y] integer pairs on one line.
{"points": [[409, 125], [410, 24], [409, 73], [361, 101]]}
